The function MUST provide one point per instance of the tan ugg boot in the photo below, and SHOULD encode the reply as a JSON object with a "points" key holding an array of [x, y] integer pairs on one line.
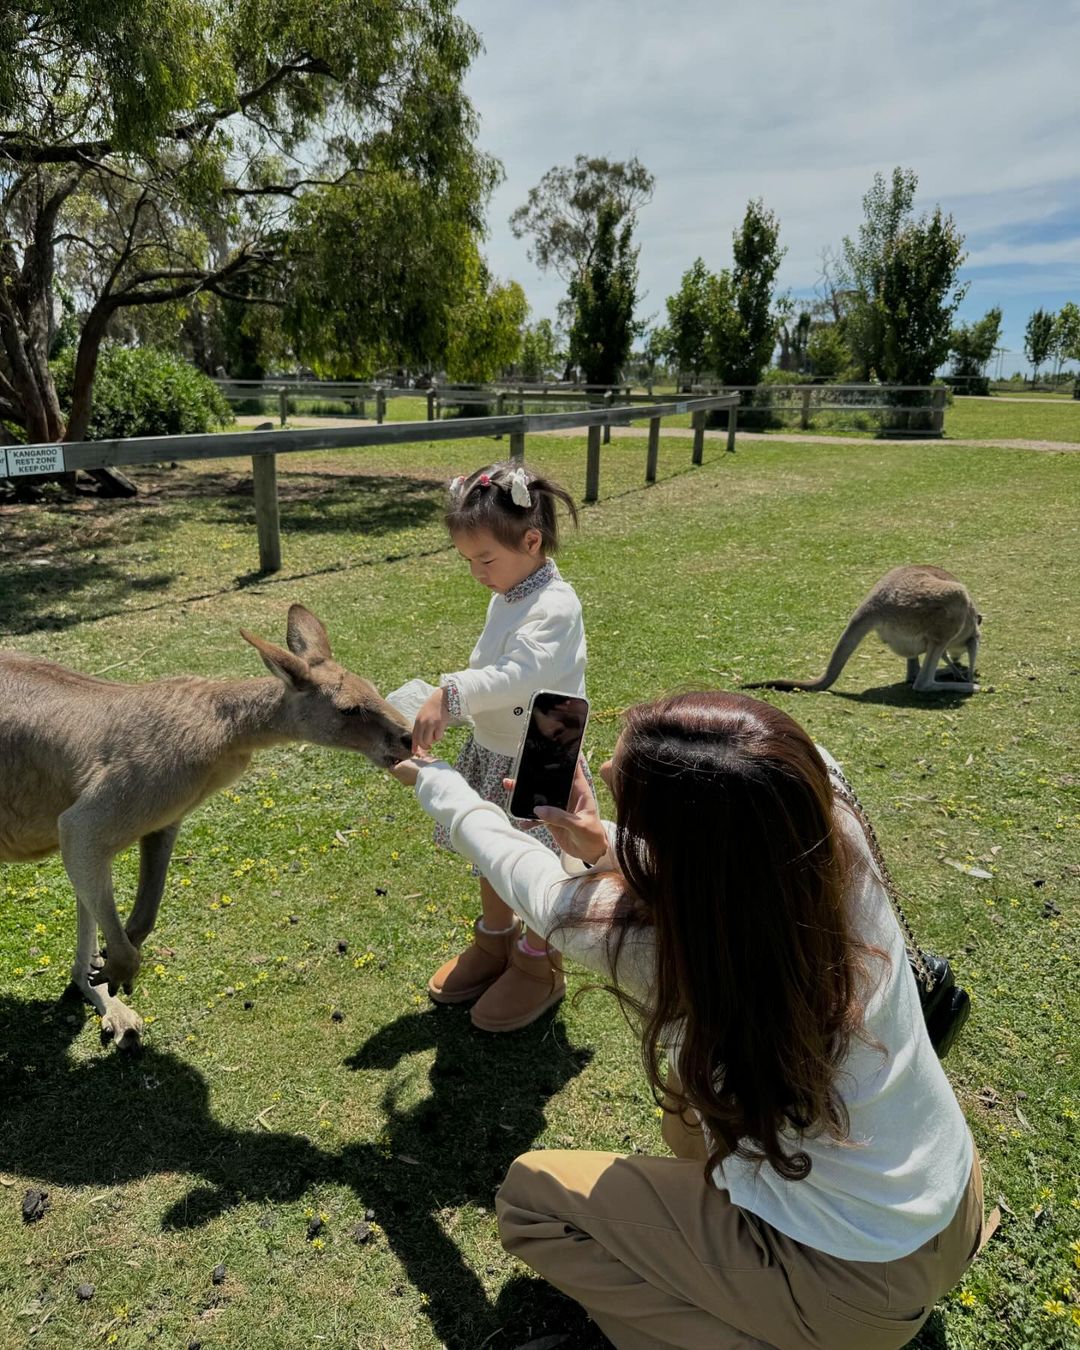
{"points": [[465, 977], [530, 986]]}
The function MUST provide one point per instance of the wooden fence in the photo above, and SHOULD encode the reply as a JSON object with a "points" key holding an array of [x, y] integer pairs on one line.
{"points": [[904, 410], [264, 448]]}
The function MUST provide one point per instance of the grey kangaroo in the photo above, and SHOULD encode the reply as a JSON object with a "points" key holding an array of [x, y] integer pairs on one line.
{"points": [[91, 766], [919, 612]]}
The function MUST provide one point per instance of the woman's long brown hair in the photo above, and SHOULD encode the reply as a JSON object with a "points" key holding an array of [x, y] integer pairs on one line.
{"points": [[729, 849]]}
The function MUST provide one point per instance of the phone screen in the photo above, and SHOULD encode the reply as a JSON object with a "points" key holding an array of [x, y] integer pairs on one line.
{"points": [[545, 769]]}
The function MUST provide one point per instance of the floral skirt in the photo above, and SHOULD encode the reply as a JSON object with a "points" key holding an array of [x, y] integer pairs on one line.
{"points": [[484, 771]]}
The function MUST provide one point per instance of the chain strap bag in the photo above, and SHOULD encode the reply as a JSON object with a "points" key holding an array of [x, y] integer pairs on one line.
{"points": [[945, 1004]]}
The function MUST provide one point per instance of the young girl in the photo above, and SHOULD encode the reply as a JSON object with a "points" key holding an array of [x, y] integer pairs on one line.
{"points": [[503, 522]]}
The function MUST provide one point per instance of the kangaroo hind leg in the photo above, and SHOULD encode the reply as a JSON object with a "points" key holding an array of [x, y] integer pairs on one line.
{"points": [[88, 862], [926, 682]]}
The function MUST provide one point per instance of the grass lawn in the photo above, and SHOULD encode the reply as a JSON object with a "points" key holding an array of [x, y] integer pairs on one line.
{"points": [[965, 420], [254, 1112], [979, 419]]}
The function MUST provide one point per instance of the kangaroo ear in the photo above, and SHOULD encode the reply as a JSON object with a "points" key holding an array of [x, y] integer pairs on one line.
{"points": [[290, 669], [306, 636]]}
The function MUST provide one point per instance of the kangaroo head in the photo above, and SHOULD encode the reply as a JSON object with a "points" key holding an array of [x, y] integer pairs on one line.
{"points": [[327, 704]]}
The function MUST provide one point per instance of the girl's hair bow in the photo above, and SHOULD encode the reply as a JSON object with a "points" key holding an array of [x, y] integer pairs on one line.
{"points": [[519, 488]]}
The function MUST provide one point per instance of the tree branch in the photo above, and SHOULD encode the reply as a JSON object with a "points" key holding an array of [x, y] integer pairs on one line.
{"points": [[14, 146], [284, 189]]}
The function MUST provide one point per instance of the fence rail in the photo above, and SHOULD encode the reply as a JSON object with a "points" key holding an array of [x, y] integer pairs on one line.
{"points": [[904, 410], [265, 446]]}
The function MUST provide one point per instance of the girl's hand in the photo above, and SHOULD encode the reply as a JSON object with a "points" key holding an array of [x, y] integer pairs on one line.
{"points": [[431, 722], [579, 830], [408, 770]]}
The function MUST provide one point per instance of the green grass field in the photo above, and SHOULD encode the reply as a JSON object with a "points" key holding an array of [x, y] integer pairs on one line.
{"points": [[253, 1111]]}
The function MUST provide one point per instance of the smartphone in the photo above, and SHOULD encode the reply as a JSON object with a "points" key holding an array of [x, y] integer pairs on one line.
{"points": [[544, 770]]}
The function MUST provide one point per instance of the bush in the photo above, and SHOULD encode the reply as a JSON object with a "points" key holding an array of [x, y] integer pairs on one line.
{"points": [[142, 391]]}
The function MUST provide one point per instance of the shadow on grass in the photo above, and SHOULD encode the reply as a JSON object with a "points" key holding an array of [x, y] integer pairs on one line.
{"points": [[323, 502], [77, 553], [115, 1118], [901, 695]]}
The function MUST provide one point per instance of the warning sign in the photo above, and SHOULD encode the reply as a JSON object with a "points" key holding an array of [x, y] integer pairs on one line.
{"points": [[20, 460]]}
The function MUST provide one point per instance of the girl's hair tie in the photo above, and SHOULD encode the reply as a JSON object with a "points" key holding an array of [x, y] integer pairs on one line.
{"points": [[484, 480]]}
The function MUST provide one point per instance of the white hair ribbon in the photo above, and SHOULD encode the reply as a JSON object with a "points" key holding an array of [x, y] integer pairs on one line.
{"points": [[519, 488], [456, 484]]}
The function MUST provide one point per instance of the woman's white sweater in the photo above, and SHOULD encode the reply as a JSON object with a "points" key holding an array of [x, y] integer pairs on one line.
{"points": [[897, 1180]]}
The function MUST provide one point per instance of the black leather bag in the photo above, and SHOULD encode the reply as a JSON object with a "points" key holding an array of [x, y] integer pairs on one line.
{"points": [[945, 1004]]}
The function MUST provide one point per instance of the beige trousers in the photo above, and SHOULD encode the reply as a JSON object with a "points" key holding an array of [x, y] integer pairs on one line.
{"points": [[660, 1258]]}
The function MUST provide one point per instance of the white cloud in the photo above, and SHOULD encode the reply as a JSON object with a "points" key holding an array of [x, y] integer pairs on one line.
{"points": [[800, 104]]}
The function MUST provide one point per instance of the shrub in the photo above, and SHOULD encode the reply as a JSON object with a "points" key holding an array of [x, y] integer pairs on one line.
{"points": [[142, 391]]}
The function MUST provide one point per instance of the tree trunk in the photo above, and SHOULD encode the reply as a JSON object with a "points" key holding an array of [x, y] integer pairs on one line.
{"points": [[85, 367]]}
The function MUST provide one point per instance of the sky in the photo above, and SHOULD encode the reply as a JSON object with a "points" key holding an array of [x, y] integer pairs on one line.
{"points": [[800, 104]]}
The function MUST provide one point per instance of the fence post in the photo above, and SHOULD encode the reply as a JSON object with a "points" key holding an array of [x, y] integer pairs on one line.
{"points": [[654, 450], [267, 522], [938, 421], [733, 413], [609, 397], [517, 447], [283, 405], [380, 404], [804, 419], [431, 404], [592, 466], [699, 437]]}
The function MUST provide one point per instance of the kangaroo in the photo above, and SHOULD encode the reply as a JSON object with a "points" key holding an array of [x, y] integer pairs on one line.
{"points": [[914, 610], [91, 766]]}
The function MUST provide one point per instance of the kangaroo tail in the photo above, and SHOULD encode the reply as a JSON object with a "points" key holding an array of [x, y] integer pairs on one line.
{"points": [[861, 623]]}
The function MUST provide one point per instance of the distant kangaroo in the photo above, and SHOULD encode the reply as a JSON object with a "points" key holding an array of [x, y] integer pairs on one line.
{"points": [[914, 610], [90, 766]]}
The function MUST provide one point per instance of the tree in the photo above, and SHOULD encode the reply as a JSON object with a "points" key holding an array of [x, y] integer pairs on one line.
{"points": [[793, 334], [562, 213], [411, 262], [688, 322], [899, 279], [1067, 333], [827, 352], [485, 328], [757, 255], [857, 273], [919, 297], [604, 297], [154, 150], [540, 352], [972, 345], [1039, 339]]}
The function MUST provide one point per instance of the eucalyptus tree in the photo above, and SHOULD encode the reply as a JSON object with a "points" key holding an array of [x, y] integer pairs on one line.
{"points": [[300, 156]]}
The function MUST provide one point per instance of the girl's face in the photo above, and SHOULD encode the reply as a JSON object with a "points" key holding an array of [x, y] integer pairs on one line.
{"points": [[493, 564]]}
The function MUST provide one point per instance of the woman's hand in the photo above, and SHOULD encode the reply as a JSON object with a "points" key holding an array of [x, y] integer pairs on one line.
{"points": [[578, 831], [431, 722], [408, 770]]}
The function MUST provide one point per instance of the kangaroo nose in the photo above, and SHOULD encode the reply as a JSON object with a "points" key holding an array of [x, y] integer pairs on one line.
{"points": [[405, 740]]}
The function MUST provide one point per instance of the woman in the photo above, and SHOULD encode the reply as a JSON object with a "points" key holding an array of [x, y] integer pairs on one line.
{"points": [[827, 1191]]}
